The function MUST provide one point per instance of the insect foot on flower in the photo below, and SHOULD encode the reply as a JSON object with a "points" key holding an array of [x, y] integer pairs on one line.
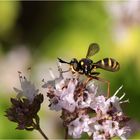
{"points": [[85, 110]]}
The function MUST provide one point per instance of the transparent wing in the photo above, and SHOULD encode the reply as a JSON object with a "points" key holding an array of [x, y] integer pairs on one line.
{"points": [[93, 49]]}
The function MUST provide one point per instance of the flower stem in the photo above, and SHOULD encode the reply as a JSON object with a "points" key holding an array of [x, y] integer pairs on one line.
{"points": [[37, 127], [66, 133], [42, 133]]}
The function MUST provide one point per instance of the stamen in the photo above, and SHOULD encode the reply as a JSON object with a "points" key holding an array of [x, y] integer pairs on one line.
{"points": [[60, 69], [59, 64], [125, 101], [118, 90], [122, 96], [51, 73], [20, 76]]}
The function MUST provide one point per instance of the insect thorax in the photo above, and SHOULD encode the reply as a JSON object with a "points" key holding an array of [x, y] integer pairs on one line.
{"points": [[85, 65]]}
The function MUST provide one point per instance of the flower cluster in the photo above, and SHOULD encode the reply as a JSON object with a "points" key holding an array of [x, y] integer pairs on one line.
{"points": [[85, 110], [25, 106]]}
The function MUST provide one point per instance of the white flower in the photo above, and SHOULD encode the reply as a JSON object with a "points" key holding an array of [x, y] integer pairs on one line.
{"points": [[57, 83], [115, 101], [88, 96], [77, 99], [85, 100], [67, 96], [63, 93], [111, 127], [98, 131], [99, 136], [123, 132], [28, 89], [108, 129], [78, 126], [55, 104], [101, 104]]}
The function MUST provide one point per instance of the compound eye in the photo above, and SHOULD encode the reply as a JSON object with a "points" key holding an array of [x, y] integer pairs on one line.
{"points": [[75, 65]]}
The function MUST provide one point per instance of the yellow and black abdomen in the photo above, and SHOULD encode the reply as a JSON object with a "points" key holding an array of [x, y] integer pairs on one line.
{"points": [[109, 64]]}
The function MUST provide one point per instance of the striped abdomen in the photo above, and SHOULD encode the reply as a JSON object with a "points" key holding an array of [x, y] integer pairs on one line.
{"points": [[109, 64]]}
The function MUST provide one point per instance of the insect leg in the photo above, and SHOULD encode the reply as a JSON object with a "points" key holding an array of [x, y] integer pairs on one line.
{"points": [[60, 69], [90, 76], [105, 81], [66, 70], [94, 73], [88, 79]]}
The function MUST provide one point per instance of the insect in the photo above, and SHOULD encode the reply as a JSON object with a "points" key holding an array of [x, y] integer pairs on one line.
{"points": [[88, 67]]}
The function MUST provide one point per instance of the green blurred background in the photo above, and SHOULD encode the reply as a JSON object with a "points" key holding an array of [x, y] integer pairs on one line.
{"points": [[34, 34]]}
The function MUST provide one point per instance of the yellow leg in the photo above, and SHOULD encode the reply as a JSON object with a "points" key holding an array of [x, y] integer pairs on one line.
{"points": [[87, 80]]}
